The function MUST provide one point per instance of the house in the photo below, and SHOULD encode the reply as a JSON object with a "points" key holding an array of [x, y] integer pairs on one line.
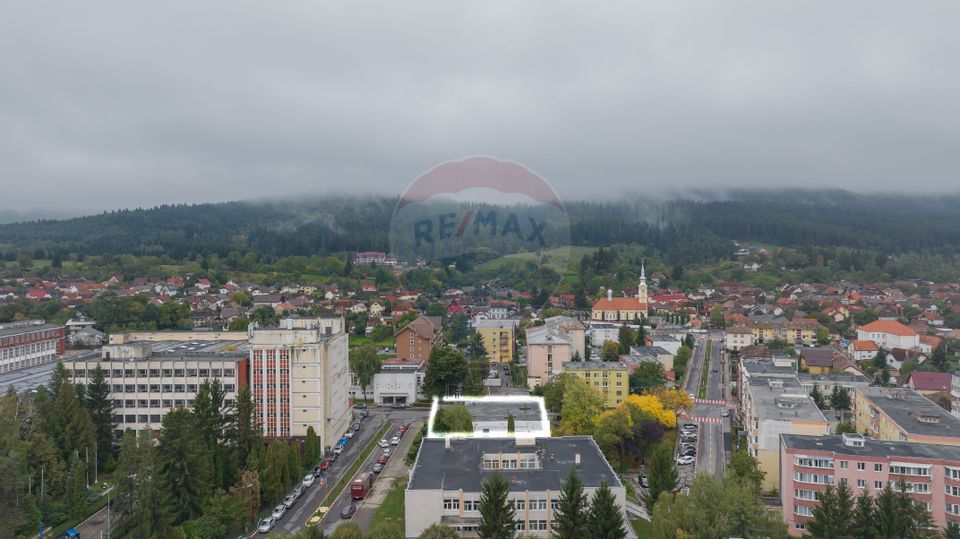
{"points": [[889, 334], [928, 383], [929, 343], [863, 350], [610, 379], [817, 360], [898, 356], [641, 354], [417, 339]]}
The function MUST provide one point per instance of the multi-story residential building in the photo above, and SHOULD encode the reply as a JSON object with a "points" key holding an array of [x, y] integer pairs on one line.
{"points": [[398, 382], [147, 380], [299, 378], [772, 406], [547, 350], [551, 345], [955, 394], [902, 414], [810, 463], [827, 382], [601, 332], [446, 478], [889, 334], [498, 338], [417, 339], [797, 331], [29, 343], [611, 379]]}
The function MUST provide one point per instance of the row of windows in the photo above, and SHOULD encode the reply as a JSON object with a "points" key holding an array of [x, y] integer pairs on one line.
{"points": [[861, 466], [808, 462], [154, 373], [817, 479], [535, 525], [165, 388], [537, 504], [159, 403], [17, 351], [525, 462], [30, 337]]}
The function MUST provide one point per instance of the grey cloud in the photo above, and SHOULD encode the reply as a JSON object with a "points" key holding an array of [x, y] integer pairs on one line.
{"points": [[110, 104]]}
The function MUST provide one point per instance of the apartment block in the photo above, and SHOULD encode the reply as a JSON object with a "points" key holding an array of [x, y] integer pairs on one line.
{"points": [[775, 405], [299, 378], [901, 414], [147, 380], [499, 338], [417, 339], [29, 343], [446, 478], [611, 379], [798, 331], [810, 463]]}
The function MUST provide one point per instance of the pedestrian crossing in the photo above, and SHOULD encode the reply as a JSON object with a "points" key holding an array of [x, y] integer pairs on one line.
{"points": [[701, 419], [714, 402]]}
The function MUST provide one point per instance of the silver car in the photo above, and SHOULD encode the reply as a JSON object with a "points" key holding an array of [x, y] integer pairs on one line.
{"points": [[266, 525]]}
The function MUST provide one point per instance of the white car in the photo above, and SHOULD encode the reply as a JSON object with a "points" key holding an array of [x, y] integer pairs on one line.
{"points": [[387, 452], [308, 480], [685, 461], [279, 511], [349, 434], [289, 501], [338, 449], [383, 443], [266, 525], [395, 440]]}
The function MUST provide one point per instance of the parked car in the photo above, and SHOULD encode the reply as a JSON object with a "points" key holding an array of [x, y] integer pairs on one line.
{"points": [[317, 472], [725, 413], [395, 440], [402, 429], [72, 533], [348, 511], [377, 467], [360, 406], [337, 449], [297, 491], [364, 413], [348, 434], [344, 441], [685, 461], [688, 453], [279, 511], [644, 482], [387, 452], [383, 443], [308, 481], [326, 464], [382, 459], [266, 525], [689, 426], [289, 501]]}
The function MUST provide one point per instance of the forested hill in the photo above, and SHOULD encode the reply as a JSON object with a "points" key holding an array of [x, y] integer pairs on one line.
{"points": [[685, 230]]}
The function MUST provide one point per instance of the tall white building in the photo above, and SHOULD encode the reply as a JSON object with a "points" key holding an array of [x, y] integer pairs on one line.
{"points": [[299, 377]]}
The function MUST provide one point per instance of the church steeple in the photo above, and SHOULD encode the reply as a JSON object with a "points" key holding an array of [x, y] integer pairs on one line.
{"points": [[642, 287]]}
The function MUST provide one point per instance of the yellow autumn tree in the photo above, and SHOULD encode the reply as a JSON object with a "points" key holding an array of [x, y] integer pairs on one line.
{"points": [[677, 400], [651, 406]]}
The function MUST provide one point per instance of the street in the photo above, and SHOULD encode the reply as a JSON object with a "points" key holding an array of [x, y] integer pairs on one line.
{"points": [[707, 412], [296, 518]]}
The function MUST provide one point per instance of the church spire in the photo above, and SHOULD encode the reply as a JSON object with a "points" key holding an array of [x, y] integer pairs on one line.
{"points": [[642, 287], [643, 272]]}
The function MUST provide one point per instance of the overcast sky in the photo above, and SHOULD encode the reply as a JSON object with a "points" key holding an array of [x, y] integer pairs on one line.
{"points": [[121, 104]]}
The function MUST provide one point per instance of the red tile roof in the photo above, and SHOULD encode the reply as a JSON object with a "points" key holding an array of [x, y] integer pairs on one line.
{"points": [[929, 381], [889, 326]]}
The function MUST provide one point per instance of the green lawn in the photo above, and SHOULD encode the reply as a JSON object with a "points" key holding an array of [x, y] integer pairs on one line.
{"points": [[573, 254], [392, 507], [643, 528]]}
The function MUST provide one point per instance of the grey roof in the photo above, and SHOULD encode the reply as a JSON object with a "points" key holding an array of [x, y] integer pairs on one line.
{"points": [[835, 378], [488, 410], [782, 398], [904, 406], [649, 350], [16, 328], [495, 324], [871, 447], [593, 366], [461, 466], [761, 367], [547, 335], [564, 322]]}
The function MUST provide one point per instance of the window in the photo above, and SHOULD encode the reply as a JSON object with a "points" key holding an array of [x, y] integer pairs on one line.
{"points": [[861, 483], [844, 465], [204, 373], [450, 504], [953, 508], [814, 462], [818, 479], [555, 504], [155, 388], [178, 372], [802, 510], [521, 526], [538, 525], [878, 485], [168, 387], [471, 505], [861, 466], [520, 505], [878, 467], [901, 469], [800, 526], [191, 372], [541, 504], [491, 463], [178, 388], [809, 495], [952, 490], [168, 372]]}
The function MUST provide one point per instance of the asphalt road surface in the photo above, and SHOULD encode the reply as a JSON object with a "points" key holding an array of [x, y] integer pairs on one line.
{"points": [[711, 454]]}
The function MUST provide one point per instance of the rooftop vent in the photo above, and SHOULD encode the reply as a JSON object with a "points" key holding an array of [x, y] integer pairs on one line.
{"points": [[851, 439]]}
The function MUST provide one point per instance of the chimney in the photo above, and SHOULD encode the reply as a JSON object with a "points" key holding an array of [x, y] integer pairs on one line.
{"points": [[576, 459], [609, 294]]}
